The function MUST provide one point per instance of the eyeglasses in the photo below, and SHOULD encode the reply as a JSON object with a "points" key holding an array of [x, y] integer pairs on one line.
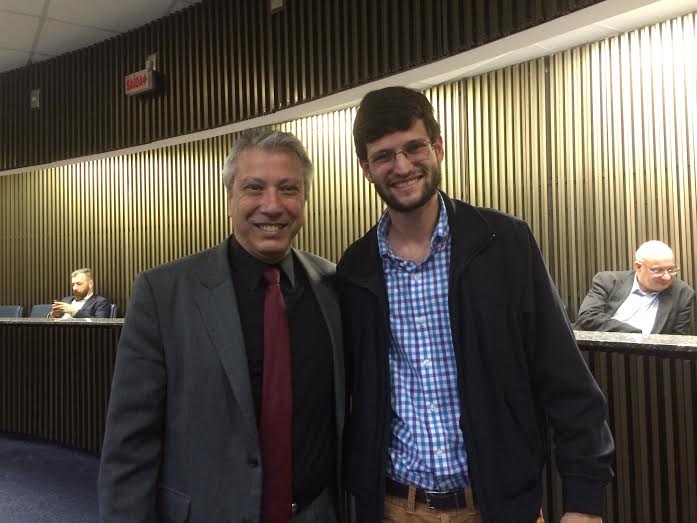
{"points": [[413, 151], [658, 271]]}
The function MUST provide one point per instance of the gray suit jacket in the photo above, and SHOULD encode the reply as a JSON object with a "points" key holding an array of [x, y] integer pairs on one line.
{"points": [[181, 440], [608, 292]]}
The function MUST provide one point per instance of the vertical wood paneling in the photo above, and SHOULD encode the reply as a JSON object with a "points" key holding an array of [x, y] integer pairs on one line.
{"points": [[119, 216], [224, 62], [55, 381], [501, 140], [632, 177], [652, 417]]}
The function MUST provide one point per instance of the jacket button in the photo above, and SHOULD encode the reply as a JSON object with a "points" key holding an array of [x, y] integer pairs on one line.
{"points": [[253, 463]]}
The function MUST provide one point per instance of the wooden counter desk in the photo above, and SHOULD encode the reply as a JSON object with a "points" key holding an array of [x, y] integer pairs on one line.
{"points": [[55, 379], [650, 382]]}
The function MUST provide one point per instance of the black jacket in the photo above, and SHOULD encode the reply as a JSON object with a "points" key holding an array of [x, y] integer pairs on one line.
{"points": [[519, 368]]}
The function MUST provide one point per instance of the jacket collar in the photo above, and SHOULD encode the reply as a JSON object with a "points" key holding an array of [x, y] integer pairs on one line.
{"points": [[471, 233]]}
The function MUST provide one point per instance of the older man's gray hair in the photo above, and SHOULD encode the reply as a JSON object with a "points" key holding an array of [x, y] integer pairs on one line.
{"points": [[267, 140]]}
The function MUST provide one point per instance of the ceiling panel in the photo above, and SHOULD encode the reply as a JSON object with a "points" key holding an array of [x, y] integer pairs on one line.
{"points": [[31, 7], [60, 37], [60, 26], [106, 14], [17, 31]]}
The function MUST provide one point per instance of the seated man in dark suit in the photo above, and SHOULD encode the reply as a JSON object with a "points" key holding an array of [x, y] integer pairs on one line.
{"points": [[648, 300], [84, 303]]}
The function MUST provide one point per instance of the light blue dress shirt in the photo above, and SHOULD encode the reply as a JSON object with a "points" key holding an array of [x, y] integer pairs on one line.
{"points": [[639, 309]]}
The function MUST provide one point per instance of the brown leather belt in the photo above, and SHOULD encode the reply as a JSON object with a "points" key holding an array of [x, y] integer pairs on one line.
{"points": [[448, 500]]}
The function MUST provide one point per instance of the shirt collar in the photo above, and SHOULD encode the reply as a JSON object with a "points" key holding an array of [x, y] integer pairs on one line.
{"points": [[253, 268], [637, 290], [440, 233], [84, 299]]}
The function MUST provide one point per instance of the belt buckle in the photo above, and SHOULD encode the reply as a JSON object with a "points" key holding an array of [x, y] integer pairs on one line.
{"points": [[432, 495]]}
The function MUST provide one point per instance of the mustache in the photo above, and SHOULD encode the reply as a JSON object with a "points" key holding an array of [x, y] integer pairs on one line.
{"points": [[417, 172]]}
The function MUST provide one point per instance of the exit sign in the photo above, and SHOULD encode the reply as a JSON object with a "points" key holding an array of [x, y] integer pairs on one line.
{"points": [[140, 82]]}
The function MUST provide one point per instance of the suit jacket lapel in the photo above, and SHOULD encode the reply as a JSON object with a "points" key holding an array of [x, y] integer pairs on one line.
{"points": [[621, 291], [217, 303], [84, 311], [665, 303]]}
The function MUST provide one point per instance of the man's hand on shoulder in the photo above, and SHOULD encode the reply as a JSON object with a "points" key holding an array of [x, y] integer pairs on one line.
{"points": [[575, 517]]}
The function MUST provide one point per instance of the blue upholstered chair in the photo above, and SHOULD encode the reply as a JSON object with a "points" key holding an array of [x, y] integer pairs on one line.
{"points": [[40, 310], [11, 311]]}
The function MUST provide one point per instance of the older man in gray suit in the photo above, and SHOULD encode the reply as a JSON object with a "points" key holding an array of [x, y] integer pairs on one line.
{"points": [[227, 401], [648, 300]]}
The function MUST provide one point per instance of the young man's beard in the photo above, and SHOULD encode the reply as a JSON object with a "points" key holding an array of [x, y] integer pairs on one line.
{"points": [[429, 189]]}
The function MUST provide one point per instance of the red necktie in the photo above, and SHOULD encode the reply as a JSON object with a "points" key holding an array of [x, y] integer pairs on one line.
{"points": [[276, 425]]}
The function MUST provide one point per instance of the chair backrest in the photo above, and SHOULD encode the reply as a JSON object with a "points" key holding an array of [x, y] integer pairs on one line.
{"points": [[40, 310], [114, 311], [11, 311]]}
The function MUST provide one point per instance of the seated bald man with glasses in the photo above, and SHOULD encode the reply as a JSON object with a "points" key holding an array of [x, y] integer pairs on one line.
{"points": [[649, 299]]}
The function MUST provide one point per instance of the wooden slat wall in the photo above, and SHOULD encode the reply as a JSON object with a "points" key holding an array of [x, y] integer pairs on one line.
{"points": [[588, 146], [55, 381], [226, 61], [118, 216], [651, 399], [504, 145]]}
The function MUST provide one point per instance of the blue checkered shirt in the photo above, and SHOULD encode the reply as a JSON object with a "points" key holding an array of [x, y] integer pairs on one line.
{"points": [[427, 447]]}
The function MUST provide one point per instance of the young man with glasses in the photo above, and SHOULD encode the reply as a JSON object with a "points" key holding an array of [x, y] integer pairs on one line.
{"points": [[458, 349], [649, 299]]}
